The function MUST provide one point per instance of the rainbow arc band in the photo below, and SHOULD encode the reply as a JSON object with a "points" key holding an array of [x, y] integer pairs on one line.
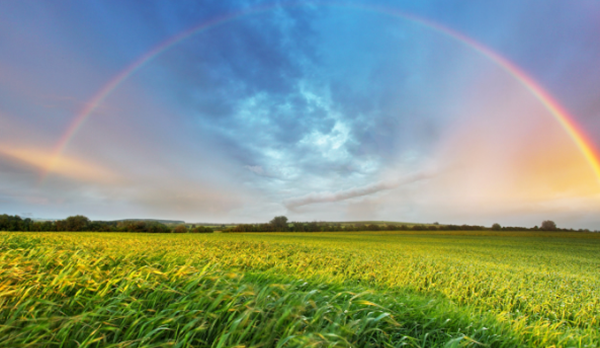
{"points": [[559, 113]]}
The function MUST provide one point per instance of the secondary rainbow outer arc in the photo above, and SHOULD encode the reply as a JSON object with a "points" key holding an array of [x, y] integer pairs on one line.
{"points": [[556, 110]]}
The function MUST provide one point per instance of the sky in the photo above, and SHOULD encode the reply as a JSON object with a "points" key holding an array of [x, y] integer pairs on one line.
{"points": [[238, 111]]}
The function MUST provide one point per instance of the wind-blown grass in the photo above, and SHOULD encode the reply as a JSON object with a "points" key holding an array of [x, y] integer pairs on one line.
{"points": [[380, 290]]}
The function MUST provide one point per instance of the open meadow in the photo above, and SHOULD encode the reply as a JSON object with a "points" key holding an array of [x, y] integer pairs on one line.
{"points": [[368, 289]]}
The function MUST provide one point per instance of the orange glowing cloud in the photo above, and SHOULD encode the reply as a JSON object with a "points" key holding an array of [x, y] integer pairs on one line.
{"points": [[65, 166]]}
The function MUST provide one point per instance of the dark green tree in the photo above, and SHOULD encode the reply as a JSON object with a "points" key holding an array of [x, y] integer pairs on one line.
{"points": [[180, 229], [76, 223], [203, 229], [279, 223]]}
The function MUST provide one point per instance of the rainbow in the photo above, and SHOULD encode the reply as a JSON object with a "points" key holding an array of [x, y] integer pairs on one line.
{"points": [[556, 110]]}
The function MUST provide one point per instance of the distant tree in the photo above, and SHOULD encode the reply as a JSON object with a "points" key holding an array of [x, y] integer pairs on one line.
{"points": [[298, 226], [76, 223], [360, 227], [11, 223], [201, 229], [392, 227], [95, 226], [157, 227], [180, 229], [548, 225], [279, 223], [48, 226], [27, 224], [373, 227], [496, 227], [102, 226], [36, 226], [135, 226]]}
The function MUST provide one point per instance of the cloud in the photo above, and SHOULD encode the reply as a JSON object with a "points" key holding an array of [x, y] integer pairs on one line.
{"points": [[65, 166], [323, 197]]}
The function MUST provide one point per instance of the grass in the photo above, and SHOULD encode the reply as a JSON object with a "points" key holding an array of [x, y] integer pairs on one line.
{"points": [[384, 289]]}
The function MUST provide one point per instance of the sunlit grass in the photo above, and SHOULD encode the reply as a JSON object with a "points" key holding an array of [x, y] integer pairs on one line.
{"points": [[326, 289]]}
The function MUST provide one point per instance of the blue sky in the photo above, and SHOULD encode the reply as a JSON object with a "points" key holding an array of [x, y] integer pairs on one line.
{"points": [[315, 110]]}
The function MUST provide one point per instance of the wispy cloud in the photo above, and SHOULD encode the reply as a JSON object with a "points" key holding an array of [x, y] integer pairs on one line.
{"points": [[324, 197]]}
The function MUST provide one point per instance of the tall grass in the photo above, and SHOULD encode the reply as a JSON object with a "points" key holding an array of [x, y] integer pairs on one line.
{"points": [[380, 290]]}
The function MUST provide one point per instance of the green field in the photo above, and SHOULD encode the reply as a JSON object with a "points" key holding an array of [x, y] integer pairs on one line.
{"points": [[384, 289]]}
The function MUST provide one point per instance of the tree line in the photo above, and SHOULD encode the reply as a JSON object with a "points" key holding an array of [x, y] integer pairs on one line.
{"points": [[278, 224], [80, 223]]}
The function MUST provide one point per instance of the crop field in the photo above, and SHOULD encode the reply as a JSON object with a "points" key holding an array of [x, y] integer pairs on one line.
{"points": [[368, 289]]}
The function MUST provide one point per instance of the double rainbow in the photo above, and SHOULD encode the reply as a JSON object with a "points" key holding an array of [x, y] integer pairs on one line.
{"points": [[556, 110]]}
